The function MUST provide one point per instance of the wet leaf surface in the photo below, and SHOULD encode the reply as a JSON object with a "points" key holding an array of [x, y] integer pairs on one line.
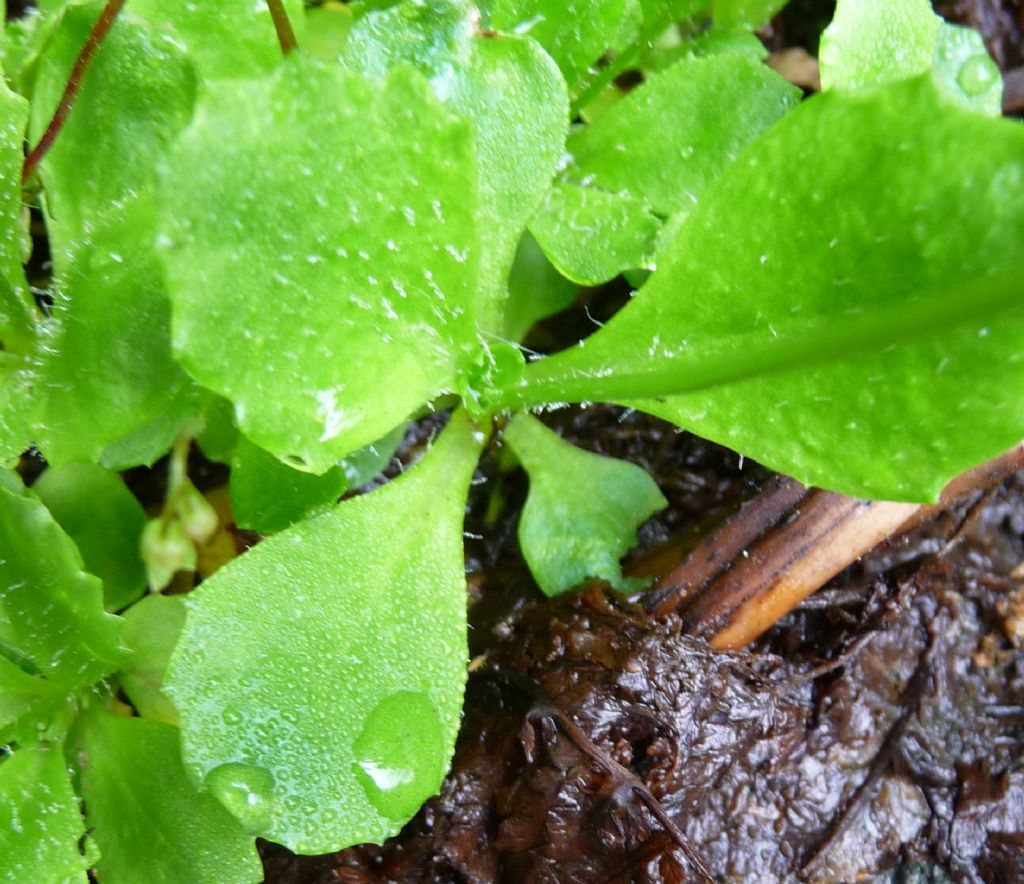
{"points": [[148, 820], [713, 107], [40, 820], [879, 259], [337, 603], [68, 637], [334, 352], [582, 512], [506, 88], [104, 520]]}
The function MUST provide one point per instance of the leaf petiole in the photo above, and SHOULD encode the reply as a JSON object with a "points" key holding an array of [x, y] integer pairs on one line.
{"points": [[556, 379], [92, 44], [283, 26]]}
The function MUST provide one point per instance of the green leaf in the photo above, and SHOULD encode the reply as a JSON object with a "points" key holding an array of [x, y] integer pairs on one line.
{"points": [[152, 627], [15, 410], [219, 435], [367, 463], [354, 273], [591, 236], [26, 703], [965, 73], [663, 12], [104, 520], [506, 87], [875, 351], [51, 611], [268, 496], [228, 39], [748, 14], [149, 821], [106, 369], [582, 512], [707, 110], [872, 42], [17, 313], [40, 821], [24, 38], [137, 96], [327, 29], [536, 289], [320, 675], [186, 407], [704, 45], [575, 33]]}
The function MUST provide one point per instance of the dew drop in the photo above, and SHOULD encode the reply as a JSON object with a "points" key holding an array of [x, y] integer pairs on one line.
{"points": [[400, 754], [246, 791], [977, 75]]}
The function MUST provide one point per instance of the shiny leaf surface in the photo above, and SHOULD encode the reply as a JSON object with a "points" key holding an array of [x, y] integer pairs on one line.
{"points": [[591, 236], [507, 88], [871, 42], [51, 611], [352, 314], [104, 520], [582, 512], [708, 108], [148, 820], [40, 821], [152, 627], [268, 496], [320, 675], [857, 352], [574, 33]]}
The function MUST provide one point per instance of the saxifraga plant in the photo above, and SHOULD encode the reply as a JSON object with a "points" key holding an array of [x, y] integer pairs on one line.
{"points": [[288, 256]]}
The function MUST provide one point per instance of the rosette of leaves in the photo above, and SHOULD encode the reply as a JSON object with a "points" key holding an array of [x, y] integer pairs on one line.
{"points": [[293, 256]]}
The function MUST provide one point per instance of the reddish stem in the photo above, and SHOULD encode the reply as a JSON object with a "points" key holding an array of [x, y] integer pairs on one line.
{"points": [[92, 43], [285, 34]]}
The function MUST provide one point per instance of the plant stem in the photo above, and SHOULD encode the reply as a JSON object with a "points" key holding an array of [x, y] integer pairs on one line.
{"points": [[177, 476], [607, 75], [92, 44], [285, 34], [713, 556]]}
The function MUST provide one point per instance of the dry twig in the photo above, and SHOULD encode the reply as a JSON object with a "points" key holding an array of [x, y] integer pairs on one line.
{"points": [[785, 544]]}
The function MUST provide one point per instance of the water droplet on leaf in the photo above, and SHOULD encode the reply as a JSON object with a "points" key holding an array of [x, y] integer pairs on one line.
{"points": [[246, 791], [977, 75], [400, 754]]}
